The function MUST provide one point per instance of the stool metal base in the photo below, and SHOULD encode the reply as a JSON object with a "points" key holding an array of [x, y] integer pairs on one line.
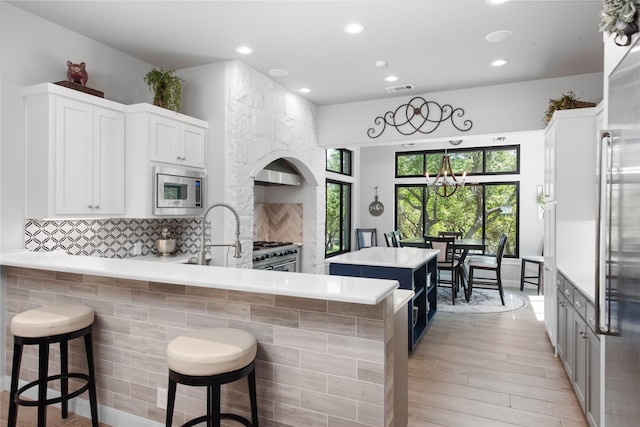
{"points": [[43, 377], [213, 383]]}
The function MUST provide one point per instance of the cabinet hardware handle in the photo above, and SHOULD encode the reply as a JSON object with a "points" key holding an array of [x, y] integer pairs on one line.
{"points": [[90, 207], [566, 292], [592, 320], [97, 207], [577, 304]]}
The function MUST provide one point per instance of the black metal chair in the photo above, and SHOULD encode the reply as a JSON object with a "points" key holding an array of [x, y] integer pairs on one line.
{"points": [[538, 261], [446, 261], [388, 238], [491, 263], [366, 237]]}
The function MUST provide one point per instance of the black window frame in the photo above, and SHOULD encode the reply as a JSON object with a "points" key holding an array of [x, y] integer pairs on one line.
{"points": [[484, 151], [425, 188], [344, 153], [345, 245]]}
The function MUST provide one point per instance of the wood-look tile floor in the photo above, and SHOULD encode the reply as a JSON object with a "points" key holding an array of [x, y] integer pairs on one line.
{"points": [[474, 370], [28, 417], [490, 370]]}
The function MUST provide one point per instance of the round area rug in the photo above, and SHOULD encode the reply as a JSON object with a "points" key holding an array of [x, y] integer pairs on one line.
{"points": [[482, 301]]}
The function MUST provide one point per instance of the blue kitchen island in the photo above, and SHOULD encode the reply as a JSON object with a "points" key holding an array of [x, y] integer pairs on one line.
{"points": [[414, 268]]}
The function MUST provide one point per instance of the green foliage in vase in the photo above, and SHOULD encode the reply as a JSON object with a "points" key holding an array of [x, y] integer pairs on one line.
{"points": [[166, 87], [617, 15]]}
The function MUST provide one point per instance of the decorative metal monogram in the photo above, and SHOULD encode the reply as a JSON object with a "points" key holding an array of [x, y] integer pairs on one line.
{"points": [[419, 115]]}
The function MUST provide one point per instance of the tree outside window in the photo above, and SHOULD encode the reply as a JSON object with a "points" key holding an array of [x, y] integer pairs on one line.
{"points": [[338, 218]]}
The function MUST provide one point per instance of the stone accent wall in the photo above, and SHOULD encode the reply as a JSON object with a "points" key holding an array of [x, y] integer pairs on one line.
{"points": [[319, 364], [265, 122]]}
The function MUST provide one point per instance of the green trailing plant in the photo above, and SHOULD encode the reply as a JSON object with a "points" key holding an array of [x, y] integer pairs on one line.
{"points": [[166, 87]]}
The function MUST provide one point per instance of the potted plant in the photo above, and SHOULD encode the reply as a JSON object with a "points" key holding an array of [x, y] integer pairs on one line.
{"points": [[567, 101], [620, 17], [166, 87]]}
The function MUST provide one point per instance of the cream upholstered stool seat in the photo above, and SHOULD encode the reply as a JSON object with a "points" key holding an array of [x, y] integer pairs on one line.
{"points": [[212, 357], [45, 326]]}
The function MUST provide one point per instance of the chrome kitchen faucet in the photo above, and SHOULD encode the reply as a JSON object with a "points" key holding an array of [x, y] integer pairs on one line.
{"points": [[203, 239]]}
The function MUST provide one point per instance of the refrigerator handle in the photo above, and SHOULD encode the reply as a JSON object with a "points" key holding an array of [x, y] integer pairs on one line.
{"points": [[603, 284]]}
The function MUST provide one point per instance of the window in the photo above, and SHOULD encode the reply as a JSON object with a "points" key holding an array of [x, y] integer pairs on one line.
{"points": [[474, 161], [339, 161], [338, 218], [478, 210]]}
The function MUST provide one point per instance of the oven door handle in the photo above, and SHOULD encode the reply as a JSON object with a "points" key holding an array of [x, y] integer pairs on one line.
{"points": [[282, 264]]}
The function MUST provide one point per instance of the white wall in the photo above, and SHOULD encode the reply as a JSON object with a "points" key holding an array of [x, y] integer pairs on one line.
{"points": [[501, 108], [35, 51]]}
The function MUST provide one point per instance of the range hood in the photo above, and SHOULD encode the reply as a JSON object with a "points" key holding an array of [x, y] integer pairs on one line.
{"points": [[278, 172]]}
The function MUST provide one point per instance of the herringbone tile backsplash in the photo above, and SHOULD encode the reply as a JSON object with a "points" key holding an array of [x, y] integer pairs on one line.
{"points": [[278, 222]]}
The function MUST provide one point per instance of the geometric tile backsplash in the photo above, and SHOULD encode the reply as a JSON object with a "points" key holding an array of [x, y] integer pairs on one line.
{"points": [[109, 238]]}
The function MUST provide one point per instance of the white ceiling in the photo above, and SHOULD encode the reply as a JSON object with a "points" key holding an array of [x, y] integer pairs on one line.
{"points": [[434, 45]]}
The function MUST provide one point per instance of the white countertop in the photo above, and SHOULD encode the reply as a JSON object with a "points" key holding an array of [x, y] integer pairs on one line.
{"points": [[303, 285], [387, 257]]}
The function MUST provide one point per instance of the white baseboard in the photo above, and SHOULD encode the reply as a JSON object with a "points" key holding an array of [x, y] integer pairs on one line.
{"points": [[106, 415]]}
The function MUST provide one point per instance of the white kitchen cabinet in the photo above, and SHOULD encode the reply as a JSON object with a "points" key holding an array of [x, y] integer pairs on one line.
{"points": [[75, 148], [569, 229], [159, 137], [172, 138]]}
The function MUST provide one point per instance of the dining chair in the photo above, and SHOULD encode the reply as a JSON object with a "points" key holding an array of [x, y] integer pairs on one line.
{"points": [[388, 238], [446, 261], [397, 236], [456, 235], [366, 237], [490, 263]]}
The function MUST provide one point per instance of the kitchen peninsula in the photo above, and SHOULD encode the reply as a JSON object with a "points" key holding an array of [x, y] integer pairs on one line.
{"points": [[325, 354]]}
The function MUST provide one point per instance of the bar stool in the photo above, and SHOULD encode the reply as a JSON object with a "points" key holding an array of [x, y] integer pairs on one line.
{"points": [[45, 326], [536, 260], [212, 357]]}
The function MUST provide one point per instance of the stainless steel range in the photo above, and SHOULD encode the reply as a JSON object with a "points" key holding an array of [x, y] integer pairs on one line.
{"points": [[276, 256]]}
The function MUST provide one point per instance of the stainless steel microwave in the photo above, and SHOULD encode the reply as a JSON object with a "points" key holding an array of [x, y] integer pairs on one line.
{"points": [[178, 191]]}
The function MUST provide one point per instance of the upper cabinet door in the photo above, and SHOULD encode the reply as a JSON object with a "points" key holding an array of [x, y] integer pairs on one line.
{"points": [[175, 142], [73, 157], [108, 161], [193, 145]]}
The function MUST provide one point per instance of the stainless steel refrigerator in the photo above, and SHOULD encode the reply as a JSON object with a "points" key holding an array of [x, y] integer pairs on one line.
{"points": [[618, 266]]}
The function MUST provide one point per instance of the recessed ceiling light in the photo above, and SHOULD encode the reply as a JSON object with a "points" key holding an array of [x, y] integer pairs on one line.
{"points": [[391, 78], [353, 28], [498, 36], [276, 72], [496, 2], [305, 90], [380, 63], [499, 62], [245, 50]]}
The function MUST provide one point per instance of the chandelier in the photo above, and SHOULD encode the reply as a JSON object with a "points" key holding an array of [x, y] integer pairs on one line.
{"points": [[446, 183]]}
